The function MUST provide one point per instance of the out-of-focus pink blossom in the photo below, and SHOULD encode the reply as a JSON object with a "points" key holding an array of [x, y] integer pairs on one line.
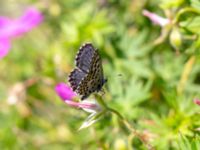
{"points": [[156, 18], [4, 47], [67, 95], [197, 101], [11, 28]]}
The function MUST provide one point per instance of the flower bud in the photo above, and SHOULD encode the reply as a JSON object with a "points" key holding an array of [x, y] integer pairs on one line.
{"points": [[175, 38], [120, 144], [197, 101]]}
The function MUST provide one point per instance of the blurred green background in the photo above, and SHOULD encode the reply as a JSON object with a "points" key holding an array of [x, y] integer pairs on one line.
{"points": [[152, 84]]}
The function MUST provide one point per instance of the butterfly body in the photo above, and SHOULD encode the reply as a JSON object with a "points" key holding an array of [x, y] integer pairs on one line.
{"points": [[88, 76]]}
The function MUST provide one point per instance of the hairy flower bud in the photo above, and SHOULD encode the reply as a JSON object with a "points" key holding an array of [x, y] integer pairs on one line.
{"points": [[175, 38]]}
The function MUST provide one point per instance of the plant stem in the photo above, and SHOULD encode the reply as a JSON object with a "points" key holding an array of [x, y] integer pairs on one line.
{"points": [[185, 10], [124, 121], [129, 127]]}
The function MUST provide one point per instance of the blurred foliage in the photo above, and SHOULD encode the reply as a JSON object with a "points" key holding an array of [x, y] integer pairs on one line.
{"points": [[151, 83]]}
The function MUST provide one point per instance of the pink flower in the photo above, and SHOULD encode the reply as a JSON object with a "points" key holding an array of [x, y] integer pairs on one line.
{"points": [[197, 101], [4, 47], [155, 18], [11, 28], [65, 92], [67, 95]]}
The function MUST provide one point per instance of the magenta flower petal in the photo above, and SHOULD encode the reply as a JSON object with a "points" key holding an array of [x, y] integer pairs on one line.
{"points": [[67, 95], [4, 21], [155, 18], [65, 92], [4, 27], [10, 28], [4, 47], [197, 101], [30, 19]]}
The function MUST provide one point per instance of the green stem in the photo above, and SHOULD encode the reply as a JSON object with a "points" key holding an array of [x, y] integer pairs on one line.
{"points": [[129, 127], [185, 10], [124, 121], [116, 113], [101, 102]]}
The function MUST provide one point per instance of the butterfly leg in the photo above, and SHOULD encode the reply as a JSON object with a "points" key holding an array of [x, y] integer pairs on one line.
{"points": [[84, 97]]}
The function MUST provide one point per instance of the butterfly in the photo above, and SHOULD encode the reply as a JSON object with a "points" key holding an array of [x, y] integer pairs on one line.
{"points": [[88, 76]]}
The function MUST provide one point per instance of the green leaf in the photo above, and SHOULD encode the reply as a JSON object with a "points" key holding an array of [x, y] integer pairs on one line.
{"points": [[195, 4], [192, 24]]}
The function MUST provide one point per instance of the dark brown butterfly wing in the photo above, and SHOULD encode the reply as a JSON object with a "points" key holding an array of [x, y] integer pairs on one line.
{"points": [[75, 77], [94, 80], [88, 76], [83, 64], [84, 57]]}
